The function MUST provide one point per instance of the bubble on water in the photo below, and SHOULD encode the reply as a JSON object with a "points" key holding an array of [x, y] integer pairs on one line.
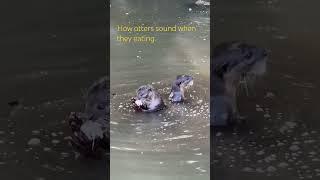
{"points": [[271, 169], [200, 169], [191, 162], [113, 123], [294, 148], [46, 149], [35, 132], [247, 169], [34, 142], [55, 141], [283, 164], [260, 152]]}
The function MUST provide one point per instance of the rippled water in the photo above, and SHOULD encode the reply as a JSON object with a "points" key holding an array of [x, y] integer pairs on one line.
{"points": [[50, 51], [172, 143]]}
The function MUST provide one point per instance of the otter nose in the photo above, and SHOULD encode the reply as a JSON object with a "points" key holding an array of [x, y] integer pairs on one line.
{"points": [[266, 52]]}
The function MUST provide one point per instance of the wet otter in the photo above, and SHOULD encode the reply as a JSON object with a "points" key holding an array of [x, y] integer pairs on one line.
{"points": [[181, 83], [90, 129], [232, 61], [147, 99]]}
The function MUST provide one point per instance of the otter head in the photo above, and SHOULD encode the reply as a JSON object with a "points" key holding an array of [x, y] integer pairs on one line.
{"points": [[180, 84], [145, 92], [247, 59], [184, 81]]}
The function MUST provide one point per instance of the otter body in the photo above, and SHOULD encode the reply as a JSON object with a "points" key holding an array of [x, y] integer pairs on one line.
{"points": [[179, 86], [232, 62], [90, 128], [148, 99]]}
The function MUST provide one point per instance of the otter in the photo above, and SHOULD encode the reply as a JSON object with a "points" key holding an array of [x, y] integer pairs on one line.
{"points": [[232, 62], [181, 83], [90, 128], [148, 99]]}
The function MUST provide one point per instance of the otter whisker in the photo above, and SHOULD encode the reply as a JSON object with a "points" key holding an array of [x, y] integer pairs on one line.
{"points": [[93, 140], [235, 65], [244, 84]]}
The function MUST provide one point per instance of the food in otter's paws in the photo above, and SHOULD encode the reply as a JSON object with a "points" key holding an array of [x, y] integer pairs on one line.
{"points": [[91, 127], [179, 86], [232, 62], [147, 99]]}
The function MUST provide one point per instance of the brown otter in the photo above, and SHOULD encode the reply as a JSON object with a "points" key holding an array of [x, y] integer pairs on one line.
{"points": [[232, 61]]}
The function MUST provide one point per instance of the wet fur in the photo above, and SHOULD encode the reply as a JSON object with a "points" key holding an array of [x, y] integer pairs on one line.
{"points": [[148, 99], [178, 88], [232, 62], [96, 143]]}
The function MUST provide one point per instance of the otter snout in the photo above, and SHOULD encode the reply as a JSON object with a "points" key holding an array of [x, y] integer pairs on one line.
{"points": [[181, 83]]}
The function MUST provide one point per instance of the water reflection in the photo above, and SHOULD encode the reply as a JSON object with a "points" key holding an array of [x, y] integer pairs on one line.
{"points": [[53, 49]]}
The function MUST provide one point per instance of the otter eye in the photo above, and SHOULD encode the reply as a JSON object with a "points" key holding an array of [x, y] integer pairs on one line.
{"points": [[101, 106], [249, 55]]}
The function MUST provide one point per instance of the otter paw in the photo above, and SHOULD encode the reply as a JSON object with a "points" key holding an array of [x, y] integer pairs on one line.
{"points": [[89, 148], [138, 102], [75, 121], [93, 146]]}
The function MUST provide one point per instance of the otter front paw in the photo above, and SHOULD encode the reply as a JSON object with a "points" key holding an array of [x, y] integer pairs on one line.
{"points": [[89, 142], [138, 102]]}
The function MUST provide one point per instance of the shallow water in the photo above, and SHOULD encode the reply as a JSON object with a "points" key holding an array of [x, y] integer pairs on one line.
{"points": [[281, 137], [172, 143]]}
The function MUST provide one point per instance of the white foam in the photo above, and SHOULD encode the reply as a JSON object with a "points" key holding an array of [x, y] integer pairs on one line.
{"points": [[179, 137]]}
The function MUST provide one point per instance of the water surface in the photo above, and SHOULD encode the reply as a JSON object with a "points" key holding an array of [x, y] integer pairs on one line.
{"points": [[173, 143]]}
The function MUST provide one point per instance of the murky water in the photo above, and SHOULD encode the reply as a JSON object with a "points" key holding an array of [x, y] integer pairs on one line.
{"points": [[51, 50], [40, 69], [281, 137], [172, 143]]}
